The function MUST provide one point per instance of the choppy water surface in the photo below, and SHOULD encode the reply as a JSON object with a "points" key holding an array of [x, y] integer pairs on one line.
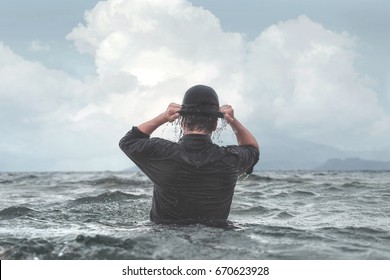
{"points": [[275, 215]]}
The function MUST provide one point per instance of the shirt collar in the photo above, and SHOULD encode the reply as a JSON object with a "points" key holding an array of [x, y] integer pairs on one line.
{"points": [[197, 138]]}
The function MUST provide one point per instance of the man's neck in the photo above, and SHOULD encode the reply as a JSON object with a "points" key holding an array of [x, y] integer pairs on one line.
{"points": [[202, 132]]}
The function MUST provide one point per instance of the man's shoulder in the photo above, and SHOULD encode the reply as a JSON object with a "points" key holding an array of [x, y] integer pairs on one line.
{"points": [[246, 156], [158, 140], [237, 149], [162, 146]]}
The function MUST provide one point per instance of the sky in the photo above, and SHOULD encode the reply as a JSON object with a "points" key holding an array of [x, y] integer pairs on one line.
{"points": [[75, 76]]}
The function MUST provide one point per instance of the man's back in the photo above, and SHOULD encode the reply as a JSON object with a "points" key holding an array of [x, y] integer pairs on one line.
{"points": [[194, 179]]}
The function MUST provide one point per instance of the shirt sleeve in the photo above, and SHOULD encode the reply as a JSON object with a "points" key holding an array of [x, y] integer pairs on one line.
{"points": [[247, 156], [143, 149], [134, 144]]}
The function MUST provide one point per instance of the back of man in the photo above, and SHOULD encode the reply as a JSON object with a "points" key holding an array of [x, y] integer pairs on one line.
{"points": [[194, 179]]}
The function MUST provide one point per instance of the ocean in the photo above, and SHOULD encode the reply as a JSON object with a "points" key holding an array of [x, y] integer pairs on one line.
{"points": [[280, 215]]}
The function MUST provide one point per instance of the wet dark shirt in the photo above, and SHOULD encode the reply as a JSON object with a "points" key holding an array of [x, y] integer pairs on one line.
{"points": [[194, 179]]}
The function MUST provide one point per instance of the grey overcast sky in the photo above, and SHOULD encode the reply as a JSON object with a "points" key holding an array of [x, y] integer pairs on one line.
{"points": [[75, 75]]}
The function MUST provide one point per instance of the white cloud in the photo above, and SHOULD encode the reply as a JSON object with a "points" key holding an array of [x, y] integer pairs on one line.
{"points": [[158, 41], [32, 88], [41, 118], [167, 46], [297, 77], [306, 83]]}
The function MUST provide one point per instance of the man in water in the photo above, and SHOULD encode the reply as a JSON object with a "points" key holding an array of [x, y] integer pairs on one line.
{"points": [[194, 179]]}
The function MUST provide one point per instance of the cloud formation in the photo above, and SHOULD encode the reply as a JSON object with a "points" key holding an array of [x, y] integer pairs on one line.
{"points": [[296, 76], [305, 75]]}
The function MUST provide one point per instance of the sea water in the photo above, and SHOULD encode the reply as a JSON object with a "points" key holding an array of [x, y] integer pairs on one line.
{"points": [[274, 215]]}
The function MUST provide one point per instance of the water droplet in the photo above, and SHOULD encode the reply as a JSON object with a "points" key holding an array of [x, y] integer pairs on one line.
{"points": [[222, 124]]}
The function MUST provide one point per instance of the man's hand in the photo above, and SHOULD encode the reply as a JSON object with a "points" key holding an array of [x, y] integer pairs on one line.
{"points": [[172, 112], [228, 113]]}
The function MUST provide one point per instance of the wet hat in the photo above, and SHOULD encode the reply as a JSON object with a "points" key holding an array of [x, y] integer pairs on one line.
{"points": [[201, 100]]}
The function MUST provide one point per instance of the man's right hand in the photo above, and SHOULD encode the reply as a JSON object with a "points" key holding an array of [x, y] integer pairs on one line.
{"points": [[228, 113], [172, 112]]}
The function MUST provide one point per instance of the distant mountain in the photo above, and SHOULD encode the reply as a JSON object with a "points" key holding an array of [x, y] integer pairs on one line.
{"points": [[354, 164], [281, 152]]}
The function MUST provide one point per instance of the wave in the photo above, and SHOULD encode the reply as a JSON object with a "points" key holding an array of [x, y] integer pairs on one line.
{"points": [[115, 180], [284, 215], [81, 247], [303, 193], [108, 197], [27, 248], [284, 231], [320, 174], [27, 176], [6, 182], [361, 232], [14, 212], [259, 178], [298, 193], [280, 195], [199, 242], [99, 215], [105, 240], [334, 189], [354, 185], [250, 209], [11, 178], [256, 178], [111, 181]]}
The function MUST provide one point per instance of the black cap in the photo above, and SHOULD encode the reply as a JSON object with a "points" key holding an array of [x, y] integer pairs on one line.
{"points": [[201, 100]]}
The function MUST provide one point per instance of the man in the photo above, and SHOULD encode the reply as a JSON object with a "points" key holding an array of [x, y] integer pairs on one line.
{"points": [[194, 179]]}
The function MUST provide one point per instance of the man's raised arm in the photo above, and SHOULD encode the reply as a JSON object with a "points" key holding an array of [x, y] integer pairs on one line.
{"points": [[171, 114], [243, 135]]}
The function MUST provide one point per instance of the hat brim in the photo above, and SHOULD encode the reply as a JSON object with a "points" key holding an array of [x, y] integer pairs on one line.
{"points": [[201, 112]]}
